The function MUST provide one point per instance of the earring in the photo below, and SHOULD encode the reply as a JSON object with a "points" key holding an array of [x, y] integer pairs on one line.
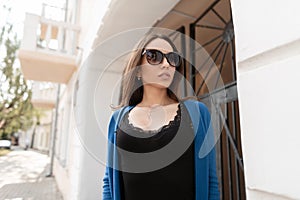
{"points": [[139, 78]]}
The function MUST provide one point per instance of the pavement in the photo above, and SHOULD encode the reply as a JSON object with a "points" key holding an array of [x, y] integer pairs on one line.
{"points": [[23, 176]]}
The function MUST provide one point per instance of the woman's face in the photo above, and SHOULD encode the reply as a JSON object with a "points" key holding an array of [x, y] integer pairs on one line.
{"points": [[160, 75]]}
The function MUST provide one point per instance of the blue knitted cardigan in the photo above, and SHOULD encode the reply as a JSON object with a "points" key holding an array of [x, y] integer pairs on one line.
{"points": [[206, 181]]}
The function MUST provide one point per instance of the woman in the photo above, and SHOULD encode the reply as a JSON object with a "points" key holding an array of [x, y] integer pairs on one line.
{"points": [[155, 138]]}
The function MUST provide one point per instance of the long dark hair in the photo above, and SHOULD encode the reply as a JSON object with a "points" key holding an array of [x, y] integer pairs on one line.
{"points": [[132, 89]]}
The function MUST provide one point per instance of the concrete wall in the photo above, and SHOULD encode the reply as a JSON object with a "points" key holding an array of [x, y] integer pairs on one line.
{"points": [[268, 58], [91, 113], [67, 145], [42, 137], [68, 162], [90, 14], [38, 136]]}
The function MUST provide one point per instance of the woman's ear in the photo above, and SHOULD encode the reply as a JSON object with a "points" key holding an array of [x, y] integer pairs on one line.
{"points": [[139, 74]]}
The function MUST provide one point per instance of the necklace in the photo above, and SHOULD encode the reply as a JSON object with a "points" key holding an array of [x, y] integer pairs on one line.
{"points": [[151, 117], [150, 110], [154, 116]]}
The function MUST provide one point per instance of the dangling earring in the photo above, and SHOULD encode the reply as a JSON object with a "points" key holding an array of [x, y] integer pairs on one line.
{"points": [[139, 78]]}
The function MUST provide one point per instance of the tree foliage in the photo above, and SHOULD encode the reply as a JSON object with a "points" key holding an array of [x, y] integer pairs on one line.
{"points": [[16, 109]]}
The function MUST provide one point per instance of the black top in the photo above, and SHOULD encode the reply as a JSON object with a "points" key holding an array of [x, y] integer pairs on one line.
{"points": [[173, 180]]}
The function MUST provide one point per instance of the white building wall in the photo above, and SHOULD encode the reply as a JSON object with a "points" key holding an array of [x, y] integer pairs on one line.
{"points": [[42, 136], [89, 17], [38, 135], [68, 160], [92, 112], [268, 58], [66, 170], [267, 35]]}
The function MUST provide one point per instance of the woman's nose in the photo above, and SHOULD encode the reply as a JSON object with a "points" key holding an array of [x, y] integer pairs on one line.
{"points": [[165, 63]]}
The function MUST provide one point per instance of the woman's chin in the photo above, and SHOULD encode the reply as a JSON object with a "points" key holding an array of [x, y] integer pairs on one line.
{"points": [[160, 85]]}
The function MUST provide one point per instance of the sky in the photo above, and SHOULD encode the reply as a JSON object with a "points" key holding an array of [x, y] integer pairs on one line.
{"points": [[17, 18], [18, 10]]}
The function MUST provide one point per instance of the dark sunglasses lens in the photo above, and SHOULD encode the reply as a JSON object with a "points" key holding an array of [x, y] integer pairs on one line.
{"points": [[174, 59], [154, 57]]}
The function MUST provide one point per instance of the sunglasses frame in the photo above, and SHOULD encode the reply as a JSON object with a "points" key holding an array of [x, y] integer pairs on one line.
{"points": [[164, 56]]}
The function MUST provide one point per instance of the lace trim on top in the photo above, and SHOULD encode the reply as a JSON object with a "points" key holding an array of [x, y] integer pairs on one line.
{"points": [[171, 123]]}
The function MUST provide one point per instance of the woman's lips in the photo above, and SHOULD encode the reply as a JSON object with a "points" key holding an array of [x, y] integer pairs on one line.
{"points": [[164, 75]]}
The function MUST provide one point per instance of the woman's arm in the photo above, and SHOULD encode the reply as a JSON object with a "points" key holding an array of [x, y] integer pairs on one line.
{"points": [[106, 195], [107, 184], [213, 183]]}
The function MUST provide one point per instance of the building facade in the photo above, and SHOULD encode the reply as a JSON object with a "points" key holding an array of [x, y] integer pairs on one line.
{"points": [[253, 45]]}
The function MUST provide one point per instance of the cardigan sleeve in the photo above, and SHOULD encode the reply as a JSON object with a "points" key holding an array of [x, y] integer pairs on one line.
{"points": [[106, 194], [209, 145], [107, 180], [213, 184]]}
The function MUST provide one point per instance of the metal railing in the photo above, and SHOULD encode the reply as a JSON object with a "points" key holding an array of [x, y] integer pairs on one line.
{"points": [[222, 98], [220, 45], [44, 91], [49, 35]]}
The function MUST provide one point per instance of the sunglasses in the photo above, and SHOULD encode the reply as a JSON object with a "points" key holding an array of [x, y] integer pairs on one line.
{"points": [[155, 57]]}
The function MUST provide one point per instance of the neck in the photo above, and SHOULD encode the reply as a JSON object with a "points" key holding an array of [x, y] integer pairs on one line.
{"points": [[155, 96]]}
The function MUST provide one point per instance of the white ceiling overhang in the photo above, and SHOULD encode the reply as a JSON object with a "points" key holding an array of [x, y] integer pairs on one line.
{"points": [[124, 15]]}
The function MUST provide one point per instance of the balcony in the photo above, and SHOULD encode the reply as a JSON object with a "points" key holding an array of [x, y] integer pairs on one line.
{"points": [[44, 94], [49, 49]]}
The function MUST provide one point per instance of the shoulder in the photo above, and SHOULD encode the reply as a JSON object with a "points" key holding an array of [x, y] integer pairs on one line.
{"points": [[195, 105], [198, 111], [117, 114], [114, 120]]}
